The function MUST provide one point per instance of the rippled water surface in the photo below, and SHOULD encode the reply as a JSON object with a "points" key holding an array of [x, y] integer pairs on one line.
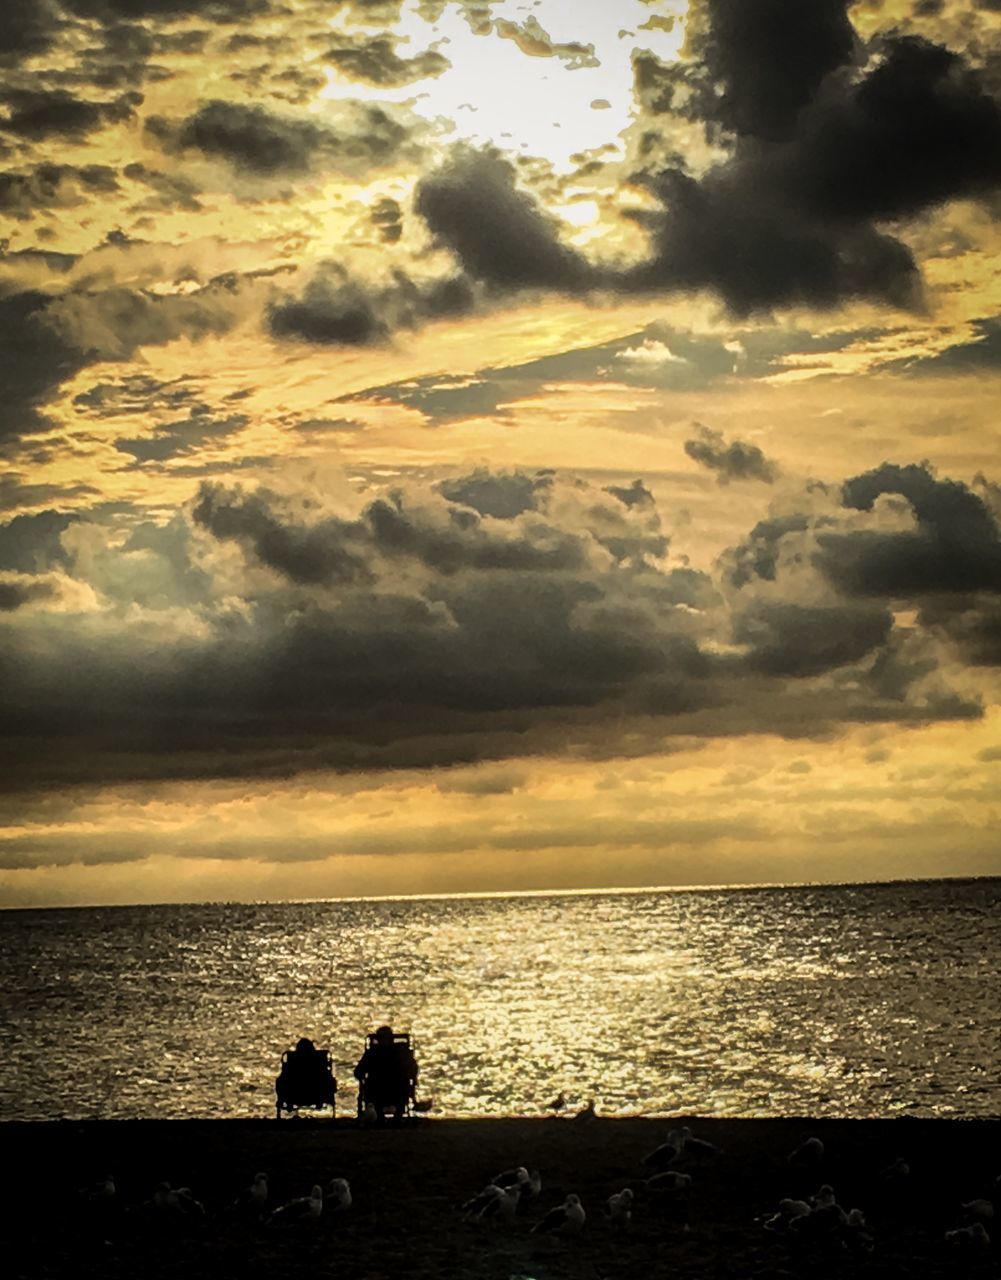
{"points": [[850, 1001]]}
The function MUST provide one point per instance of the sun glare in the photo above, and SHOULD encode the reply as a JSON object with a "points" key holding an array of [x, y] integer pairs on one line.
{"points": [[556, 105]]}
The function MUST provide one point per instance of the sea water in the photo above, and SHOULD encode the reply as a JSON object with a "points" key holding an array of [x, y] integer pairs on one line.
{"points": [[864, 1000]]}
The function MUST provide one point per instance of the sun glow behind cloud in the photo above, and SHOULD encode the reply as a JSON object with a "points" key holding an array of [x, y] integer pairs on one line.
{"points": [[493, 94]]}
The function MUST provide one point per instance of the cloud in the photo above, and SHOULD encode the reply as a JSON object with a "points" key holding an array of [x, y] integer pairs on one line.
{"points": [[792, 214], [532, 39], [374, 60], [263, 143], [27, 27], [336, 310], [53, 186], [490, 615], [41, 113], [499, 234], [733, 461], [955, 546], [17, 592]]}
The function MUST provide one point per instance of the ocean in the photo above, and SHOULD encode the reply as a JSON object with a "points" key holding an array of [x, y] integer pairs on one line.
{"points": [[842, 1001]]}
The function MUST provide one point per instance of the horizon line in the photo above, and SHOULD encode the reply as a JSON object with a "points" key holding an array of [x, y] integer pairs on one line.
{"points": [[482, 894]]}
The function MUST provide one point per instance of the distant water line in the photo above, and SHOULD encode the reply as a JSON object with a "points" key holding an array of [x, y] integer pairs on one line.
{"points": [[851, 1000]]}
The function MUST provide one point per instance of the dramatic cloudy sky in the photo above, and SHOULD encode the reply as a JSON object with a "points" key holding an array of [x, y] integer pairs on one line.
{"points": [[470, 446]]}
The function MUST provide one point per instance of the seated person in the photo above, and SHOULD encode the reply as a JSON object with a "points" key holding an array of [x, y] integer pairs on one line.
{"points": [[306, 1078], [387, 1074]]}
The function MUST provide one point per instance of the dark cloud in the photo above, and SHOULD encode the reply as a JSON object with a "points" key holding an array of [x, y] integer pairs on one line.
{"points": [[27, 27], [792, 216], [490, 615], [34, 360], [264, 143], [764, 60], [183, 436], [32, 544], [730, 461], [16, 592], [954, 548], [336, 310], [982, 353], [40, 113], [169, 10], [387, 218], [53, 186], [786, 639], [374, 60], [498, 233]]}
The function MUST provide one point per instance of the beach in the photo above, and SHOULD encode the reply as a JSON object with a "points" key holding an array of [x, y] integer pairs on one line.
{"points": [[408, 1185]]}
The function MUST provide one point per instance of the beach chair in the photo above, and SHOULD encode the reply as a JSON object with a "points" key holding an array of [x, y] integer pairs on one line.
{"points": [[306, 1079], [393, 1094]]}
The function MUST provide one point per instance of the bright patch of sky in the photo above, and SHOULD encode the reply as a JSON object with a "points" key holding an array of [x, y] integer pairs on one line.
{"points": [[494, 93]]}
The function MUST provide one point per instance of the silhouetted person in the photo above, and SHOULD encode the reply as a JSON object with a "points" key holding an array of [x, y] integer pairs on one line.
{"points": [[306, 1077], [387, 1075]]}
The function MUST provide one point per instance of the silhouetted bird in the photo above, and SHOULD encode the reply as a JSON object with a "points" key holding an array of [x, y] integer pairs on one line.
{"points": [[587, 1113], [619, 1208], [558, 1104], [566, 1219], [302, 1210], [808, 1155]]}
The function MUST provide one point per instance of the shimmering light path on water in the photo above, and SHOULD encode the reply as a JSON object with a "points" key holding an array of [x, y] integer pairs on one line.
{"points": [[841, 1001]]}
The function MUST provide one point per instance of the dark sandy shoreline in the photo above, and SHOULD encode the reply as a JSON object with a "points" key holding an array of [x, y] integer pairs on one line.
{"points": [[408, 1183]]}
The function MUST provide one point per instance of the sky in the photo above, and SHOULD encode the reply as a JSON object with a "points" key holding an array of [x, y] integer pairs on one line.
{"points": [[471, 447]]}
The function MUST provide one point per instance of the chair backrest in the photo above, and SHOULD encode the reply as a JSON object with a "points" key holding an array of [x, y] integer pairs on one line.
{"points": [[399, 1037]]}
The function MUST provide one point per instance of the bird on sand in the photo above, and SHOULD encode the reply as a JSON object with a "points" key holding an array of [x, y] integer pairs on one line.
{"points": [[566, 1219], [973, 1238], [173, 1202], [253, 1198], [337, 1197], [697, 1149], [586, 1113], [808, 1155], [670, 1181], [558, 1104], [667, 1153], [619, 1208], [493, 1203], [528, 1181], [300, 1211], [101, 1191]]}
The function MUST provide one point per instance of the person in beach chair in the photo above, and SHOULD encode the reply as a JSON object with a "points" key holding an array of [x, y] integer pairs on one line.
{"points": [[306, 1079], [387, 1076]]}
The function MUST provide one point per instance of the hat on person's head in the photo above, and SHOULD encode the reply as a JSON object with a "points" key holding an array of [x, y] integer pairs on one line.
{"points": [[384, 1035]]}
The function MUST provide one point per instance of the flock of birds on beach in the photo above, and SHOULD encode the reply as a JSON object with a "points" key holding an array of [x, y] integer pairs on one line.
{"points": [[668, 1174]]}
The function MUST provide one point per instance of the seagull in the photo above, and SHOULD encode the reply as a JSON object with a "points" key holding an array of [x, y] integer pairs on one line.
{"points": [[666, 1153], [980, 1210], [895, 1173], [972, 1237], [252, 1199], [587, 1113], [619, 1208], [697, 1148], [567, 1218], [188, 1204], [807, 1155], [516, 1177], [301, 1210], [338, 1196], [789, 1211], [165, 1201], [671, 1181], [493, 1203], [100, 1192], [558, 1104]]}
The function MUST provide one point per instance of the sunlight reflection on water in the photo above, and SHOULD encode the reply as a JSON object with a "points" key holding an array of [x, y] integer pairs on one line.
{"points": [[823, 1001]]}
